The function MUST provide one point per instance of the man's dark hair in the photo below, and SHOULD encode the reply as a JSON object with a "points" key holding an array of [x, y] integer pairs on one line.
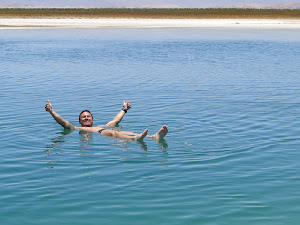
{"points": [[85, 111]]}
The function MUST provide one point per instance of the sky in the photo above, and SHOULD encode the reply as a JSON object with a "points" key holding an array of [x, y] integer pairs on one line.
{"points": [[138, 3]]}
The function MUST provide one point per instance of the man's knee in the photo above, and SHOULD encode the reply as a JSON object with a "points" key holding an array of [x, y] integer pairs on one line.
{"points": [[115, 133]]}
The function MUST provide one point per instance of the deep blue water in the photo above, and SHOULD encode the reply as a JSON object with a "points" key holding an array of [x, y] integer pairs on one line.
{"points": [[229, 97]]}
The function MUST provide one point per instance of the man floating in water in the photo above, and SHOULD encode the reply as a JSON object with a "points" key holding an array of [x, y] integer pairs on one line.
{"points": [[86, 121]]}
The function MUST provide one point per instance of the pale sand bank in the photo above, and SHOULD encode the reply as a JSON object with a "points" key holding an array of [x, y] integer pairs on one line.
{"points": [[148, 23]]}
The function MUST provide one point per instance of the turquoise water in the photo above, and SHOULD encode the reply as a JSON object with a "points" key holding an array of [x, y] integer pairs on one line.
{"points": [[229, 97]]}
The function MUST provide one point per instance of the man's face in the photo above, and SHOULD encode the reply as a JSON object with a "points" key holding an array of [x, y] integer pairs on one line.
{"points": [[86, 119]]}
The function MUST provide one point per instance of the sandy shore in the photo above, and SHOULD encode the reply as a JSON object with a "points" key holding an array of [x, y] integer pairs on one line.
{"points": [[147, 23]]}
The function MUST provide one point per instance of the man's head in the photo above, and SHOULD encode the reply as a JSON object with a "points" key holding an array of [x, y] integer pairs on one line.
{"points": [[86, 118]]}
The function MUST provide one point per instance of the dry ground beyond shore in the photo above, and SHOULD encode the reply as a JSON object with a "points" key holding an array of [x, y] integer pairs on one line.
{"points": [[189, 13]]}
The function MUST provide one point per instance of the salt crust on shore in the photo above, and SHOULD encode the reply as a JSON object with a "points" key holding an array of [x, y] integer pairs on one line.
{"points": [[147, 23]]}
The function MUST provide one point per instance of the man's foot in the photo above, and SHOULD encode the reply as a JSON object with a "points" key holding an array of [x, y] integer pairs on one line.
{"points": [[161, 133], [141, 135]]}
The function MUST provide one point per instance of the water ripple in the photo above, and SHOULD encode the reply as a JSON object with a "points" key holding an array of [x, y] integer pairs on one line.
{"points": [[230, 105]]}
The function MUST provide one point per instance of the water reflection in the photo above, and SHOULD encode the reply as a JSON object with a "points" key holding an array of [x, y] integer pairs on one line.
{"points": [[86, 139], [162, 143], [57, 142], [143, 145], [85, 136]]}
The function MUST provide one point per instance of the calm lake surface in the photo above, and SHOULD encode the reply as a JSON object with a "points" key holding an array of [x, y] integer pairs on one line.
{"points": [[231, 100]]}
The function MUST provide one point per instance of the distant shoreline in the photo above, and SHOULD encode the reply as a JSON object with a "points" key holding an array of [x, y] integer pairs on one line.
{"points": [[21, 23], [152, 13], [38, 18]]}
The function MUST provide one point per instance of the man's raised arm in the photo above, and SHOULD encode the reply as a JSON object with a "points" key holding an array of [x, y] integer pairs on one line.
{"points": [[117, 119], [65, 124]]}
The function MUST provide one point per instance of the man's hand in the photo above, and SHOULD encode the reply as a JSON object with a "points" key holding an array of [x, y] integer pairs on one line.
{"points": [[126, 105], [48, 106]]}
